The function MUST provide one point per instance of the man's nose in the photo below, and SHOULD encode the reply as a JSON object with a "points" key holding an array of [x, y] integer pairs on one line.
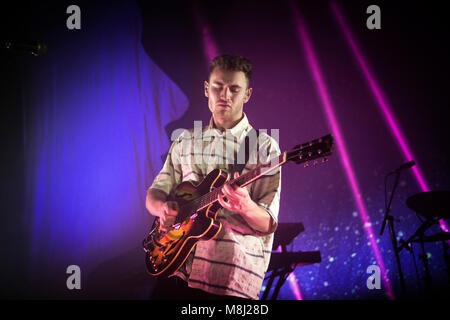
{"points": [[225, 94]]}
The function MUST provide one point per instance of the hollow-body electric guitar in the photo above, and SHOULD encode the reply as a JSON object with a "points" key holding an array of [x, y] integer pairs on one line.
{"points": [[166, 251]]}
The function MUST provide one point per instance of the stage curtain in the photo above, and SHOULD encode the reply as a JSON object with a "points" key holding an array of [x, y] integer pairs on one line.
{"points": [[95, 108]]}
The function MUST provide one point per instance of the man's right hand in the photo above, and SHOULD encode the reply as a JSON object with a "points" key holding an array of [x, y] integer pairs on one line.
{"points": [[167, 214], [158, 206]]}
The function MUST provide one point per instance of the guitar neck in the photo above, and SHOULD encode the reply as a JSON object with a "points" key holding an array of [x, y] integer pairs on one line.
{"points": [[243, 180], [315, 149]]}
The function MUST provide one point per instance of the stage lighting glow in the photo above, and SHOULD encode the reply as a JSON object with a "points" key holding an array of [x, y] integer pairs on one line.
{"points": [[340, 143], [209, 45], [294, 286], [382, 102]]}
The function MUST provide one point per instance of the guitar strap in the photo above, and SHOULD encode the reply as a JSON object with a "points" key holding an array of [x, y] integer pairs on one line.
{"points": [[247, 148]]}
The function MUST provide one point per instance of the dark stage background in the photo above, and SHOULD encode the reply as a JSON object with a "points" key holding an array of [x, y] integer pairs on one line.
{"points": [[85, 127]]}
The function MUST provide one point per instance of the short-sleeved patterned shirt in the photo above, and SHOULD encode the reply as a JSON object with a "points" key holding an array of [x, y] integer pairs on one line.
{"points": [[235, 261]]}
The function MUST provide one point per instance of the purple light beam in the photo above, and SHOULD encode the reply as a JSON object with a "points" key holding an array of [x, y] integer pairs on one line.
{"points": [[326, 102], [209, 45], [382, 102]]}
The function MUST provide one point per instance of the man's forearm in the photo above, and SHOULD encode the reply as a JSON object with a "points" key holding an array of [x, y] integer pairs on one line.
{"points": [[258, 218]]}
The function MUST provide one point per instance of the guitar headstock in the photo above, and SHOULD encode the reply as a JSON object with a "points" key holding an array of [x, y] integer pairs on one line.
{"points": [[315, 149]]}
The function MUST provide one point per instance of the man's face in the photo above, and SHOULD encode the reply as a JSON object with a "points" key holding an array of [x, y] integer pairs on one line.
{"points": [[227, 92]]}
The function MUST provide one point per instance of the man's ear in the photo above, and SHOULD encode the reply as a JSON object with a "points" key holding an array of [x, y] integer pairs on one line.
{"points": [[248, 94], [206, 86]]}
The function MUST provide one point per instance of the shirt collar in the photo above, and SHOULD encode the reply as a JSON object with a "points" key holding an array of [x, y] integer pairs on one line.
{"points": [[237, 129]]}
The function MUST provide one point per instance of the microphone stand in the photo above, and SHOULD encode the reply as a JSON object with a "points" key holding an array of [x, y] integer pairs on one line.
{"points": [[390, 221]]}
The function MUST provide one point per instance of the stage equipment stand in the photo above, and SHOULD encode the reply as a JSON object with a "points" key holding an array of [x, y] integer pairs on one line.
{"points": [[390, 221]]}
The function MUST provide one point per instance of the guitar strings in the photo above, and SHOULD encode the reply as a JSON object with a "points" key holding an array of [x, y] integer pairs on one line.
{"points": [[211, 197]]}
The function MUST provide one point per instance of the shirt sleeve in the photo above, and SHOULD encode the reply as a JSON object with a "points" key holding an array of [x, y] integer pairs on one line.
{"points": [[266, 190], [170, 175]]}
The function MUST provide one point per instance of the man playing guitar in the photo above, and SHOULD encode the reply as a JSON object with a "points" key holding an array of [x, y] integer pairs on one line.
{"points": [[232, 265]]}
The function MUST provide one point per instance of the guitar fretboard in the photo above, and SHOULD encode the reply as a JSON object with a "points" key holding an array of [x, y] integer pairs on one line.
{"points": [[243, 180]]}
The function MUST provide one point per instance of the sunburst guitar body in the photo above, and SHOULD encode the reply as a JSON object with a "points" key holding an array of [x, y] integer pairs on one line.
{"points": [[167, 251]]}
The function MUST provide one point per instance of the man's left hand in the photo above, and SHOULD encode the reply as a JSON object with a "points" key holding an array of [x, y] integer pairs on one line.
{"points": [[237, 199]]}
